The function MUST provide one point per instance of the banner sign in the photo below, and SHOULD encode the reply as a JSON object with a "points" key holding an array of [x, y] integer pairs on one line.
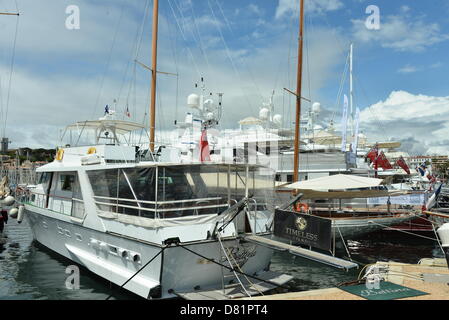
{"points": [[344, 124], [410, 199], [355, 142], [304, 229]]}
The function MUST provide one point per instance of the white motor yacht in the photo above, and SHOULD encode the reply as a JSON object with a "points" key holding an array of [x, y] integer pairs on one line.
{"points": [[158, 229]]}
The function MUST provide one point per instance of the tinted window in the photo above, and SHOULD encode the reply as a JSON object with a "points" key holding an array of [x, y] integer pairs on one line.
{"points": [[67, 181]]}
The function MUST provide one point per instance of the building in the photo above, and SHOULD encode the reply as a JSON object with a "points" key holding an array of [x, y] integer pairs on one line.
{"points": [[415, 161], [439, 160]]}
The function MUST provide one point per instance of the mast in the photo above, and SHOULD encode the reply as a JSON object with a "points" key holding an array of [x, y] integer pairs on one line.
{"points": [[298, 93], [351, 92], [153, 74]]}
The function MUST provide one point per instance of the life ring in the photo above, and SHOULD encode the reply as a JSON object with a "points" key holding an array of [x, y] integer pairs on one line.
{"points": [[302, 207], [60, 154], [92, 150]]}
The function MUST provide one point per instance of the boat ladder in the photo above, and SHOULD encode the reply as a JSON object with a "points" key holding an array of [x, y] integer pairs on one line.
{"points": [[228, 279]]}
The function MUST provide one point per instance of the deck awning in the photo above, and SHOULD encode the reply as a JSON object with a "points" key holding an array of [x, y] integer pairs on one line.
{"points": [[336, 182], [362, 194], [120, 126]]}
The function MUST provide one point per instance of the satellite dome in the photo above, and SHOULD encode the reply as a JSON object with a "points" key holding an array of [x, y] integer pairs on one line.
{"points": [[316, 107], [264, 114], [193, 101], [209, 104], [277, 119]]}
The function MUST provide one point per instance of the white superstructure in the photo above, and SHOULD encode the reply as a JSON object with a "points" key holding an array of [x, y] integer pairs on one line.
{"points": [[114, 209]]}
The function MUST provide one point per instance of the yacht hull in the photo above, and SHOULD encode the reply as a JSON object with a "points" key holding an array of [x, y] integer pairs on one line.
{"points": [[176, 269]]}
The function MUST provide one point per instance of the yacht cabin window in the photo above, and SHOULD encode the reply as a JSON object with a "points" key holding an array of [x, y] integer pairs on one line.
{"points": [[171, 191], [67, 181]]}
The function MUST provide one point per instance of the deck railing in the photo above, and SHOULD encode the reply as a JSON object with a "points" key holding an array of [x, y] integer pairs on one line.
{"points": [[158, 206], [40, 200]]}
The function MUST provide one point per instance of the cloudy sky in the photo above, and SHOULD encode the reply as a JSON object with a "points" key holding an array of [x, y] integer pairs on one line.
{"points": [[245, 49]]}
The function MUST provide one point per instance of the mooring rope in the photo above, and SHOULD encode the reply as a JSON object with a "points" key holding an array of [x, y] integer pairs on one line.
{"points": [[413, 234], [233, 269]]}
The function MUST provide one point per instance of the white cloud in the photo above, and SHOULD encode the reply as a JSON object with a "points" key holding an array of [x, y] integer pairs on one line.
{"points": [[408, 69], [401, 33], [420, 119], [317, 6], [58, 72]]}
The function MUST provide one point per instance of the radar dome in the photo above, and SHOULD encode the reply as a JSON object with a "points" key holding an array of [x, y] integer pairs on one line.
{"points": [[277, 119], [264, 113], [316, 107], [193, 101], [209, 104]]}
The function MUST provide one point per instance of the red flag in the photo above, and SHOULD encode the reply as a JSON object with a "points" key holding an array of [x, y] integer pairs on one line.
{"points": [[372, 154], [431, 178], [383, 161], [204, 147], [401, 162]]}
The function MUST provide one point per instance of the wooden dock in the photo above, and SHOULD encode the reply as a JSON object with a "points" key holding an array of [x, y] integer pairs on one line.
{"points": [[429, 275]]}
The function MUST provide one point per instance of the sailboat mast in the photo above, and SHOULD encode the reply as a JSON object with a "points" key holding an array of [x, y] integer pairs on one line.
{"points": [[298, 93], [351, 91], [153, 74]]}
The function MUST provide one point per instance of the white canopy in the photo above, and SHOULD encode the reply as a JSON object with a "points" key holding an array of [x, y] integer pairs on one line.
{"points": [[119, 126], [336, 182]]}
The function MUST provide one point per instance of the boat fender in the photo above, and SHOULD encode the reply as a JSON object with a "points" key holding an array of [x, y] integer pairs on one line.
{"points": [[13, 213], [8, 201], [60, 154], [302, 207], [20, 214]]}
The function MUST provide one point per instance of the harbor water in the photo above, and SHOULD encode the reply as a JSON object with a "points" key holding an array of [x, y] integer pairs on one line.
{"points": [[29, 271]]}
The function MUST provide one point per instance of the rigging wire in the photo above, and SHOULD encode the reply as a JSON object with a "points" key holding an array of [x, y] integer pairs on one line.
{"points": [[133, 84], [241, 60], [228, 53], [199, 39], [184, 38], [133, 56], [224, 17], [383, 130], [174, 46], [340, 89], [13, 57], [109, 58], [1, 100]]}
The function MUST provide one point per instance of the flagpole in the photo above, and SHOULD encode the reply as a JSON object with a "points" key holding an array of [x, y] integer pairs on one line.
{"points": [[153, 74], [376, 161]]}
